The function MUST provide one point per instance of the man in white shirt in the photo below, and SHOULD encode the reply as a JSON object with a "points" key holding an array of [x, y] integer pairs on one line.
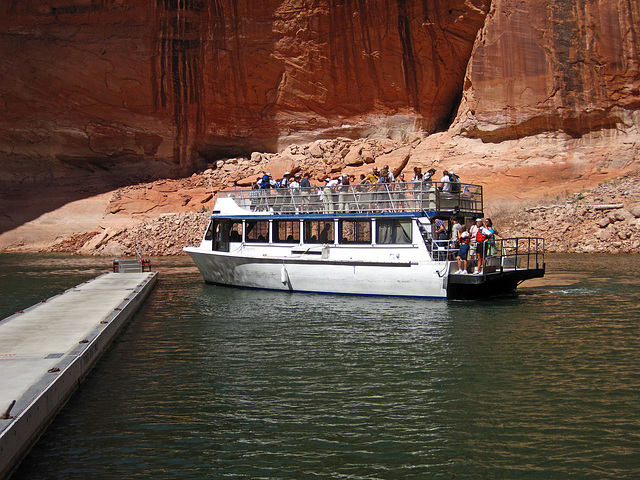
{"points": [[446, 182], [328, 194]]}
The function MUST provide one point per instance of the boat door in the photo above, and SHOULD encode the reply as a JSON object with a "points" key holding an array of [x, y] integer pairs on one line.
{"points": [[220, 228]]}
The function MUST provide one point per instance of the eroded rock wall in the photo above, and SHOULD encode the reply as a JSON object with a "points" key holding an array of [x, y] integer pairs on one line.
{"points": [[132, 88], [570, 67]]}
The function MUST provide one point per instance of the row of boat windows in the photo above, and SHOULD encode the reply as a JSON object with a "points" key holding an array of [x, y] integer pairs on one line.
{"points": [[387, 231]]}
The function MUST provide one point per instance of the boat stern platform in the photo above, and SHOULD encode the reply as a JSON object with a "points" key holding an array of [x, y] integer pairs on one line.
{"points": [[514, 261]]}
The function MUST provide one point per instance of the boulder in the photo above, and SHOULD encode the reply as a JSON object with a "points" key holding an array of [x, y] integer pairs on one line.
{"points": [[604, 222], [623, 215], [354, 156], [396, 159]]}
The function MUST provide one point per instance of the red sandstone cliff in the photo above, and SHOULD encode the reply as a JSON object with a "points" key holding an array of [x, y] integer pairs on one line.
{"points": [[97, 84], [559, 66]]}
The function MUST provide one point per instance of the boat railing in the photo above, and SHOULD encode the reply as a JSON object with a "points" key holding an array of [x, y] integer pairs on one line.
{"points": [[517, 253], [362, 198]]}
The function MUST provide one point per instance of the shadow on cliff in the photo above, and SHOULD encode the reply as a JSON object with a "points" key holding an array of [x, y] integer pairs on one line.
{"points": [[22, 203]]}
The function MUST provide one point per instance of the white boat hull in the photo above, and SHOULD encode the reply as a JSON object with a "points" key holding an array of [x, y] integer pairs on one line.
{"points": [[318, 275]]}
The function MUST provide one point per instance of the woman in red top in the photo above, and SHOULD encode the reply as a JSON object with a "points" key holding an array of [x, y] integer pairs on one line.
{"points": [[482, 236]]}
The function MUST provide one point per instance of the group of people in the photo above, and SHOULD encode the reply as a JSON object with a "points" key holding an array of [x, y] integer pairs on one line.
{"points": [[375, 177], [449, 183], [478, 241], [475, 243], [287, 181], [378, 190]]}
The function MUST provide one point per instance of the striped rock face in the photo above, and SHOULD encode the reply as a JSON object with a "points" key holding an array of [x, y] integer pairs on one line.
{"points": [[113, 85]]}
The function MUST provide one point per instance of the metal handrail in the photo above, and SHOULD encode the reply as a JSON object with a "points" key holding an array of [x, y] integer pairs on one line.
{"points": [[515, 253], [144, 263], [138, 252], [518, 253], [361, 198]]}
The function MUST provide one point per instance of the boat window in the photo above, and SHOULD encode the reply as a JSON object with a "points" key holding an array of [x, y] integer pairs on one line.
{"points": [[286, 231], [318, 231], [209, 234], [257, 231], [393, 231], [354, 231], [235, 232], [220, 235]]}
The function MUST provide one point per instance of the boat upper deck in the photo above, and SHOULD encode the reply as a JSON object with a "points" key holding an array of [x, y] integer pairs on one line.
{"points": [[463, 199]]}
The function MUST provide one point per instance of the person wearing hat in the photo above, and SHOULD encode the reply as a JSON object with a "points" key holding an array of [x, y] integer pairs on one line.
{"points": [[269, 182], [441, 238], [455, 182], [305, 193], [427, 178], [473, 231], [284, 181], [429, 195], [480, 234], [295, 183]]}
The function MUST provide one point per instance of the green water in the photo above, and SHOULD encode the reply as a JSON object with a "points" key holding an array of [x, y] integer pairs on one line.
{"points": [[214, 382]]}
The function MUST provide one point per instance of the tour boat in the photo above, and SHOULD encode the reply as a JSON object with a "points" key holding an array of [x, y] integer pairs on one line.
{"points": [[357, 240]]}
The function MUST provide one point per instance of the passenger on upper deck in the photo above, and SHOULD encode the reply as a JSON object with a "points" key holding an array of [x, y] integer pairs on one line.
{"points": [[265, 181], [446, 182], [427, 178], [390, 174], [455, 182], [305, 185], [295, 183], [400, 195], [374, 176], [382, 194], [363, 181], [329, 199], [343, 192], [254, 195], [284, 181]]}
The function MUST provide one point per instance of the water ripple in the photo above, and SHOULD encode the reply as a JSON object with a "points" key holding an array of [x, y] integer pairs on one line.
{"points": [[214, 382]]}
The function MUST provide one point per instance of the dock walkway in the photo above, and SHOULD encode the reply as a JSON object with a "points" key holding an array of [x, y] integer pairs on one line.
{"points": [[47, 349]]}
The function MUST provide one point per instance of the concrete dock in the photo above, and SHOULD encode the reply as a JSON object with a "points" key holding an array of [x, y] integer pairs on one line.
{"points": [[47, 349]]}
